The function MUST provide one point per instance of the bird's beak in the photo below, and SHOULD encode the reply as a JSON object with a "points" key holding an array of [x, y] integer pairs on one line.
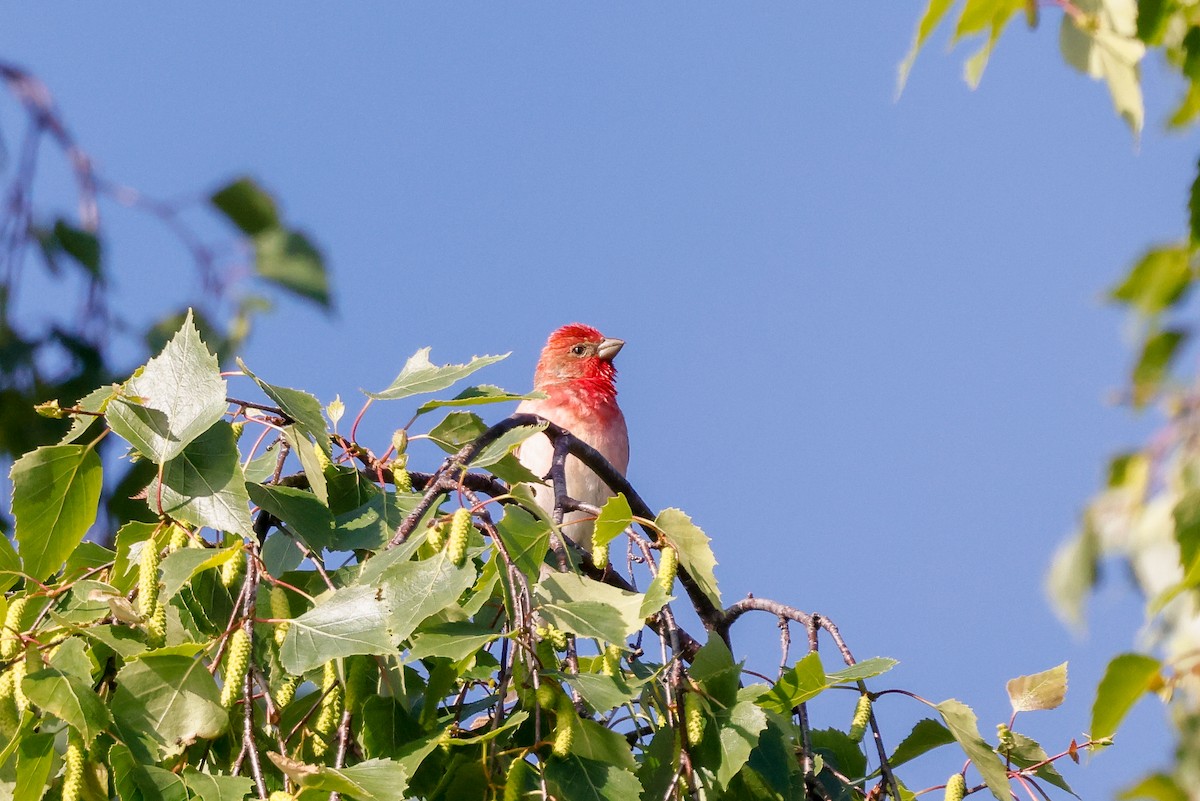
{"points": [[609, 348]]}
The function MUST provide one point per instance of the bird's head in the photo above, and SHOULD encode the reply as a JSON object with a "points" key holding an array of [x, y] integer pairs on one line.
{"points": [[578, 354]]}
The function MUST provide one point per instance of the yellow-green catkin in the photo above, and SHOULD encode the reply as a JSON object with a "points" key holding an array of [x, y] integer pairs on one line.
{"points": [[862, 716], [668, 566], [514, 780], [564, 726], [436, 537], [178, 539], [10, 639], [233, 570], [156, 627], [330, 713], [612, 661], [10, 716], [18, 677], [73, 763], [237, 663], [956, 787], [554, 635], [693, 718], [456, 543], [547, 695], [281, 795], [148, 578], [400, 476], [600, 557], [280, 610], [286, 691]]}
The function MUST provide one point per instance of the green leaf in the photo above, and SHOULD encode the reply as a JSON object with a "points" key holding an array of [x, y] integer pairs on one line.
{"points": [[925, 736], [82, 246], [419, 375], [587, 608], [478, 396], [1126, 679], [453, 640], [300, 406], [801, 682], [739, 729], [35, 756], [372, 524], [1154, 363], [601, 692], [205, 485], [302, 512], [866, 669], [713, 667], [695, 554], [993, 15], [213, 787], [1159, 279], [56, 492], [500, 447], [1045, 690], [615, 516], [169, 700], [929, 21], [1026, 752], [352, 620], [526, 538], [70, 699], [593, 741], [416, 590], [179, 566], [179, 395], [247, 205], [310, 462], [961, 721], [839, 751], [1152, 17], [369, 780], [10, 564], [289, 260], [579, 779]]}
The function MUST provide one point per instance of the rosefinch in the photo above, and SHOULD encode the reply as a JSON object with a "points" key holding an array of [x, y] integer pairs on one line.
{"points": [[577, 375]]}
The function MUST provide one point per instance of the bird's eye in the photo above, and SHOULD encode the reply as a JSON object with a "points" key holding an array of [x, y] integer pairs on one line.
{"points": [[579, 350]]}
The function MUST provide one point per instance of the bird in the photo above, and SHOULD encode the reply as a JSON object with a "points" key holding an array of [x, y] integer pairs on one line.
{"points": [[577, 376]]}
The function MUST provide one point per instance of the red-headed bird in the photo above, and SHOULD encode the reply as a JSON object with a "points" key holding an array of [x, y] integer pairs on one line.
{"points": [[577, 375]]}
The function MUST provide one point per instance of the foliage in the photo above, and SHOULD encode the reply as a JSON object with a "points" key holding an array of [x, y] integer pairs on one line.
{"points": [[67, 349], [1147, 517], [378, 633]]}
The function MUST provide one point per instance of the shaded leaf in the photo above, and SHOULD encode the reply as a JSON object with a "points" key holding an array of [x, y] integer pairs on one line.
{"points": [[526, 538], [69, 698], [247, 205], [478, 396], [289, 260], [169, 700], [204, 485], [416, 590], [302, 512], [579, 779]]}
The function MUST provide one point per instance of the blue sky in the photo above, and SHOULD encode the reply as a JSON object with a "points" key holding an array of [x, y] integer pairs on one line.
{"points": [[867, 347]]}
